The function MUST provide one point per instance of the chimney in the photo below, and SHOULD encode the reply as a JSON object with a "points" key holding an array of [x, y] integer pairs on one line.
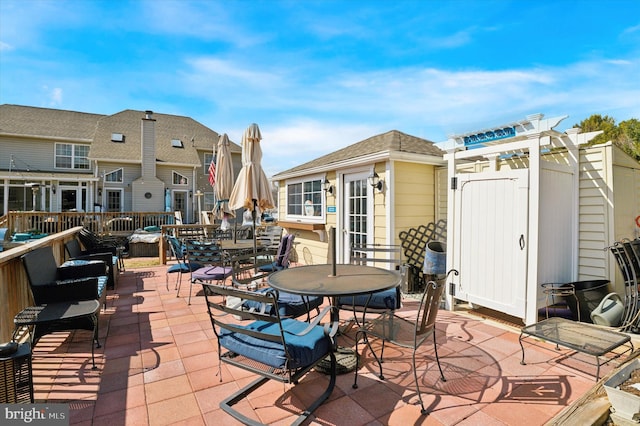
{"points": [[148, 146]]}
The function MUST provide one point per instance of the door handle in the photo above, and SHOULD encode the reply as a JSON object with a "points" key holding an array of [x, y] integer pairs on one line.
{"points": [[521, 241]]}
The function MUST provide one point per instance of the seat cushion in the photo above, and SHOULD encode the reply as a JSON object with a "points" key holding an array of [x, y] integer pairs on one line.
{"points": [[304, 350], [386, 299], [183, 267], [211, 273], [270, 267], [289, 305]]}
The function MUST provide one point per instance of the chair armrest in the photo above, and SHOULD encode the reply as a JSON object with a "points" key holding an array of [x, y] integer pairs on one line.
{"points": [[93, 268], [330, 329], [105, 257], [66, 291], [110, 249]]}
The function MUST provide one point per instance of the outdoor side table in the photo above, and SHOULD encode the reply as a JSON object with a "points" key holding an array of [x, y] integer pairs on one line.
{"points": [[43, 315], [553, 290], [16, 385], [578, 336]]}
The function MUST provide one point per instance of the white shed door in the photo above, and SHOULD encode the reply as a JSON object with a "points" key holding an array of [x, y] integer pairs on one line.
{"points": [[491, 241]]}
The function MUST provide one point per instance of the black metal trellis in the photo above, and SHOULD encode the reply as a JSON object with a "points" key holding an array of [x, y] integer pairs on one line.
{"points": [[627, 256]]}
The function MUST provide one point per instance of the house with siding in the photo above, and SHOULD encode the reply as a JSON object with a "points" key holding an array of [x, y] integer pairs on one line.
{"points": [[336, 190], [532, 206], [56, 160]]}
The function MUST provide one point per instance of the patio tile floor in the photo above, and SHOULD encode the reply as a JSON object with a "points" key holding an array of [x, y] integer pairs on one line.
{"points": [[158, 366]]}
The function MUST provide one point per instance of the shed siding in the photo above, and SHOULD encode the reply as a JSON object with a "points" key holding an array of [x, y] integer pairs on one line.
{"points": [[594, 196], [414, 191]]}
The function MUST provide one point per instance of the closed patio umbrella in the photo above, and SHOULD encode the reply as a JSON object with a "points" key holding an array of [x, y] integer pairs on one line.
{"points": [[251, 190], [224, 182]]}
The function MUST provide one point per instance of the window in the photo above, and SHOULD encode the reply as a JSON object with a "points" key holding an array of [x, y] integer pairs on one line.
{"points": [[71, 156], [179, 179], [117, 137], [209, 201], [208, 158], [176, 143], [114, 200], [305, 200], [114, 176]]}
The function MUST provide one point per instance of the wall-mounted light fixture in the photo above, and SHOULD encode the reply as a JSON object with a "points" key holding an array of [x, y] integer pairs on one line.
{"points": [[53, 188], [326, 185], [375, 181], [99, 192], [190, 194]]}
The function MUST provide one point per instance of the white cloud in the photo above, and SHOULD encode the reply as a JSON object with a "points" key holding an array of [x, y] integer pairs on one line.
{"points": [[54, 95]]}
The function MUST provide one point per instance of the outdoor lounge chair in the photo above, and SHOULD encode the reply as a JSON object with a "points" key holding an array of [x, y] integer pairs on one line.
{"points": [[406, 333], [75, 282], [94, 243], [75, 252], [274, 348]]}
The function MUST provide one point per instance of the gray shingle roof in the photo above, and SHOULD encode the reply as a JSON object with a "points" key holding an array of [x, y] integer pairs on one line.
{"points": [[392, 141], [46, 122], [98, 128], [167, 127]]}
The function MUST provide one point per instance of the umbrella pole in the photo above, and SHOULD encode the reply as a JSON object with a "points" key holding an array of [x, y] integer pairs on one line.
{"points": [[253, 233]]}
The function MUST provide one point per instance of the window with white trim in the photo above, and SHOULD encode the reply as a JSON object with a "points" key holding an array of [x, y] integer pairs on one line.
{"points": [[179, 179], [209, 201], [114, 176], [71, 156], [208, 158], [114, 200], [305, 200]]}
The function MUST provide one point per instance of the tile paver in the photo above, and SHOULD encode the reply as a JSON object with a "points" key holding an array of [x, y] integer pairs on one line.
{"points": [[158, 365]]}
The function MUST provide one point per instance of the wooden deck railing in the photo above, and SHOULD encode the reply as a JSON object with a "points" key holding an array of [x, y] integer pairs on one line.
{"points": [[101, 223], [14, 287]]}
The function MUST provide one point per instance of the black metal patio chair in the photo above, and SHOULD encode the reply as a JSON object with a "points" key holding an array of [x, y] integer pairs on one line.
{"points": [[274, 348], [406, 333]]}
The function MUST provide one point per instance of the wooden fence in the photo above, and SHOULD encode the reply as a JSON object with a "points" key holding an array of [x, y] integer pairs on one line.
{"points": [[118, 223]]}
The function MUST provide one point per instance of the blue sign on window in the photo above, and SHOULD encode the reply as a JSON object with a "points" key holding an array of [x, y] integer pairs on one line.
{"points": [[331, 209]]}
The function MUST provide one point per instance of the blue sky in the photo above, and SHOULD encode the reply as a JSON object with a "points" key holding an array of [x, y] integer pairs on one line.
{"points": [[320, 75]]}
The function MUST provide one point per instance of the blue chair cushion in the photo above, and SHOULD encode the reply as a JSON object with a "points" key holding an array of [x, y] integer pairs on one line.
{"points": [[210, 273], [270, 267], [386, 299], [303, 350], [289, 305], [102, 279], [184, 267], [102, 284]]}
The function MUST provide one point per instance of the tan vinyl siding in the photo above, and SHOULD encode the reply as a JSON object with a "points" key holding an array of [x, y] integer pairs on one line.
{"points": [[442, 187], [414, 188], [594, 196]]}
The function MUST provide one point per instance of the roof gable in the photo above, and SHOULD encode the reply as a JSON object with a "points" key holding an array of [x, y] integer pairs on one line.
{"points": [[392, 141], [194, 137]]}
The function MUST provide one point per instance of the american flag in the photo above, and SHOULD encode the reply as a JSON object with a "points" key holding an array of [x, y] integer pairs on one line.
{"points": [[212, 173]]}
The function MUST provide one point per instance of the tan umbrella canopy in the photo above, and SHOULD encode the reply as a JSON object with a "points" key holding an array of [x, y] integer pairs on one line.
{"points": [[224, 181], [251, 190]]}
